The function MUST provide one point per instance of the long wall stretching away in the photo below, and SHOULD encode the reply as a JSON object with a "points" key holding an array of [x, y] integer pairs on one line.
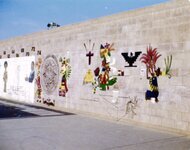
{"points": [[67, 76]]}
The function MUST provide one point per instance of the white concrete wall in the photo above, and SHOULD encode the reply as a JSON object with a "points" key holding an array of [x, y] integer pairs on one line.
{"points": [[165, 26]]}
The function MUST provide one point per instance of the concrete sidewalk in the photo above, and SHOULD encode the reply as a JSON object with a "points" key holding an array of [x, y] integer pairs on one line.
{"points": [[50, 130]]}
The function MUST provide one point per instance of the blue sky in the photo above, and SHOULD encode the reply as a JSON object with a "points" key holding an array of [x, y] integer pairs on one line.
{"points": [[21, 17]]}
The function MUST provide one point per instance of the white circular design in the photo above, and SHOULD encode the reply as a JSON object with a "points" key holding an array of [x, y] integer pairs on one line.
{"points": [[50, 74]]}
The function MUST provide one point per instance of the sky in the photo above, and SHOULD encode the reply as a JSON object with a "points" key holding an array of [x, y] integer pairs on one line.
{"points": [[21, 17]]}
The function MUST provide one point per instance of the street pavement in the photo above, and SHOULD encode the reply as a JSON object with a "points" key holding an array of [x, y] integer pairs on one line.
{"points": [[25, 127]]}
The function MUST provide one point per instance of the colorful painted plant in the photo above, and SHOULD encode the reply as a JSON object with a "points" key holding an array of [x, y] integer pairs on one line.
{"points": [[102, 78], [65, 72], [168, 63]]}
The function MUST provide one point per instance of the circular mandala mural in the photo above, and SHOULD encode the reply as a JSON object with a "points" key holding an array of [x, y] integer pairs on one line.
{"points": [[50, 74]]}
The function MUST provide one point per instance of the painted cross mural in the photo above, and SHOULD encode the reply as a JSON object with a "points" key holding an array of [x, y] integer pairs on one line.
{"points": [[89, 54], [89, 77], [149, 59], [103, 80]]}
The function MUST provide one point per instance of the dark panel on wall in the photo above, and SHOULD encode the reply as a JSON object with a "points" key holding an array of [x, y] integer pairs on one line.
{"points": [[13, 51], [27, 54], [22, 50], [33, 49], [39, 52]]}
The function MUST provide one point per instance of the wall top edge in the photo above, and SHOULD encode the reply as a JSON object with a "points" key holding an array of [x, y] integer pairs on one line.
{"points": [[135, 12]]}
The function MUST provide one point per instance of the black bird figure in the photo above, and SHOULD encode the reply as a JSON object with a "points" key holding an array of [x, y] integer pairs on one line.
{"points": [[131, 59]]}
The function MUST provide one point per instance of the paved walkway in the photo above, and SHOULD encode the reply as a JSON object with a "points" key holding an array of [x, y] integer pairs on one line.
{"points": [[30, 128]]}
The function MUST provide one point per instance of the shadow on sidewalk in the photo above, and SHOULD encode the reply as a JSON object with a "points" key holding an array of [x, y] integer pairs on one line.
{"points": [[10, 111]]}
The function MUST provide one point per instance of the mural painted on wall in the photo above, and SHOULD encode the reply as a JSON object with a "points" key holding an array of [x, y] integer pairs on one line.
{"points": [[65, 74], [48, 102], [21, 52], [119, 107], [33, 49], [5, 76], [131, 106], [39, 52], [121, 73], [149, 59], [89, 77], [27, 54], [89, 50], [168, 63], [32, 74], [130, 58], [38, 82], [13, 75], [50, 74], [103, 80]]}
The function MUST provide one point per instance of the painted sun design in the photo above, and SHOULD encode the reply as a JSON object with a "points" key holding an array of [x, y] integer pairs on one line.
{"points": [[50, 74]]}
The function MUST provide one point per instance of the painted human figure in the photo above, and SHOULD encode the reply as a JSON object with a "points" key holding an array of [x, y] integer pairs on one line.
{"points": [[102, 78], [153, 92], [149, 59], [32, 74], [63, 87], [65, 72], [5, 76]]}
